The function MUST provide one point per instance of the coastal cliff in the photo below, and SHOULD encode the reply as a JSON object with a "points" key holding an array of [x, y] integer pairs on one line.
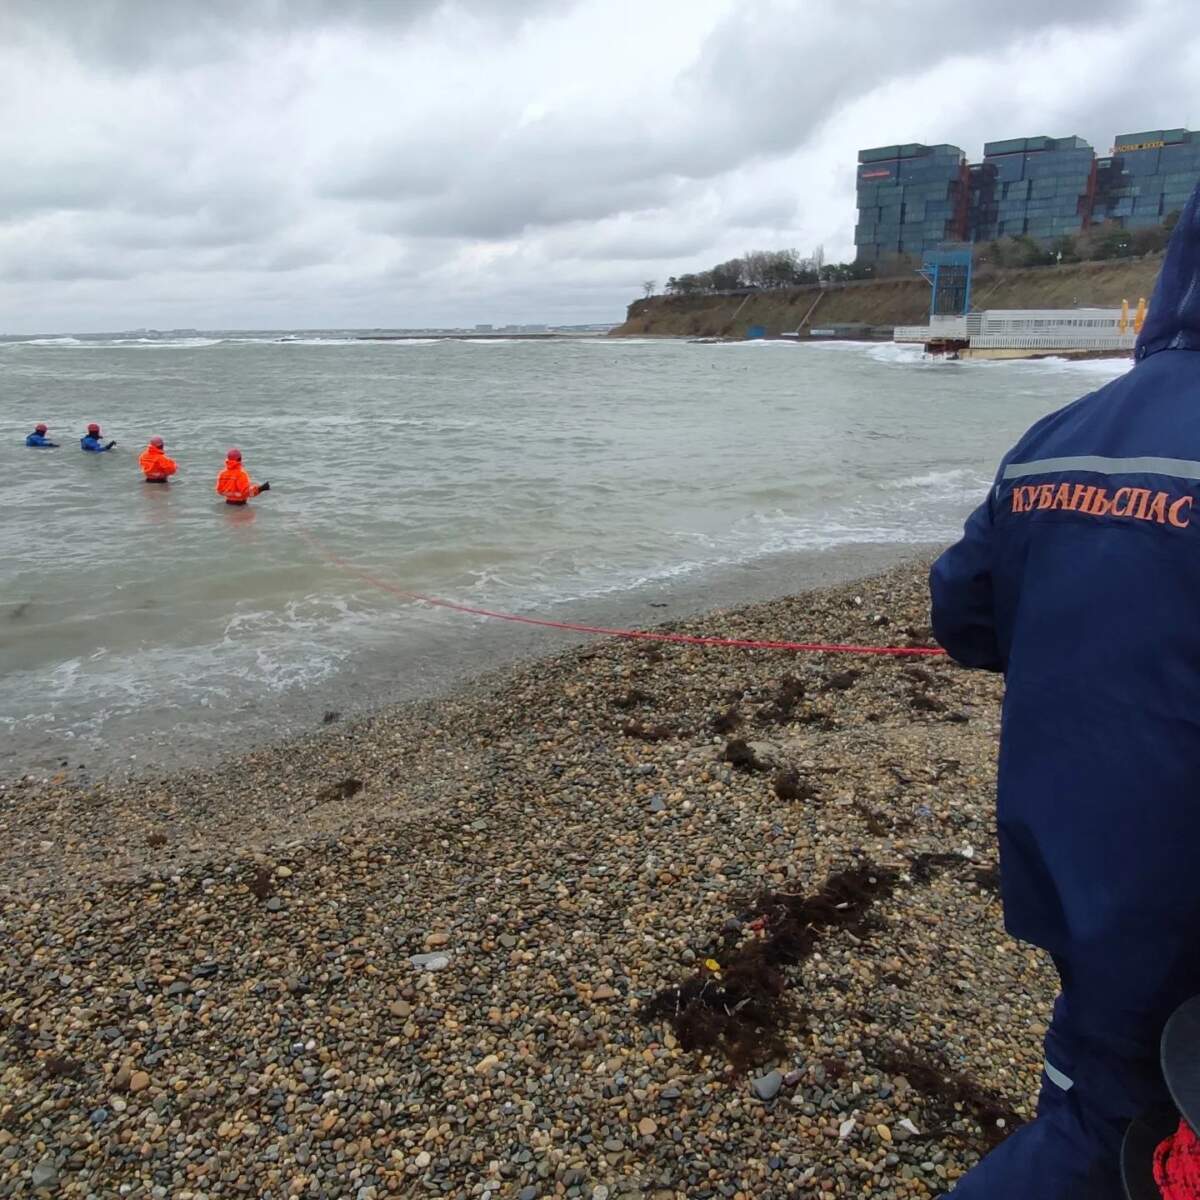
{"points": [[887, 302]]}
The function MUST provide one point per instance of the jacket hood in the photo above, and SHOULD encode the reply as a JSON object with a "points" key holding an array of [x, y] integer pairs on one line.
{"points": [[233, 464], [1173, 320]]}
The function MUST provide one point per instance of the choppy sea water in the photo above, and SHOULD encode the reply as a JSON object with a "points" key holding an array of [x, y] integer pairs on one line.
{"points": [[548, 478]]}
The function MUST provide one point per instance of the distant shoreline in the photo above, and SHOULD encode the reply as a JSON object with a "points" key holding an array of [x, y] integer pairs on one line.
{"points": [[471, 337]]}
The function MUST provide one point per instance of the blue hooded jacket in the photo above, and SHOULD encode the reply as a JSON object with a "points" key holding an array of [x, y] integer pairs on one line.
{"points": [[93, 444], [39, 441], [1079, 578]]}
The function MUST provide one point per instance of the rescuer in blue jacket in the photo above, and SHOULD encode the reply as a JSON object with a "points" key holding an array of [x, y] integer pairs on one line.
{"points": [[38, 440], [1079, 578], [91, 441]]}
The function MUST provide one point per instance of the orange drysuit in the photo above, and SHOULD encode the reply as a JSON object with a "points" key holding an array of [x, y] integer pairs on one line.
{"points": [[156, 466], [234, 484]]}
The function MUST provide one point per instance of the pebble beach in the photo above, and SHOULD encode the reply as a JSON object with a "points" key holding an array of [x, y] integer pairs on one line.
{"points": [[632, 921]]}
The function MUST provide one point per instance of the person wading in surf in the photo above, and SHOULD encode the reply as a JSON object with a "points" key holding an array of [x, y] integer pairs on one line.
{"points": [[1078, 578], [38, 440], [234, 484], [91, 441], [156, 466]]}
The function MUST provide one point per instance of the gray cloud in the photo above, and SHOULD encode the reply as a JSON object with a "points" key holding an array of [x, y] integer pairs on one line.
{"points": [[140, 35]]}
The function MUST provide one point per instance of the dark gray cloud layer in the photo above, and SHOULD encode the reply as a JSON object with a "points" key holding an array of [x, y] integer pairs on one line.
{"points": [[303, 161]]}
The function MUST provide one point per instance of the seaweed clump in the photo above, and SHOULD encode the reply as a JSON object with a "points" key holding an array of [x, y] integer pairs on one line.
{"points": [[740, 1007]]}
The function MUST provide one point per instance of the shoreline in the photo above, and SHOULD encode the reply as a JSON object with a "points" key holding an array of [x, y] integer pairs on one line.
{"points": [[451, 656], [427, 952]]}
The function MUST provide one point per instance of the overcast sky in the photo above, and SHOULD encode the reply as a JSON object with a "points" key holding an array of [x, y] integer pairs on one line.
{"points": [[338, 163]]}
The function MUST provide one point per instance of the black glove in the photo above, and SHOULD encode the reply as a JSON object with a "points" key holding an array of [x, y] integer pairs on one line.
{"points": [[110, 445], [264, 487]]}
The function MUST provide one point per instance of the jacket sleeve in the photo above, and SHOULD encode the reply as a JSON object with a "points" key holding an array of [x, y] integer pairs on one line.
{"points": [[960, 588]]}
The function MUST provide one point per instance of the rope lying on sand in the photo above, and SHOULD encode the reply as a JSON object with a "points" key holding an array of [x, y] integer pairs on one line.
{"points": [[642, 635]]}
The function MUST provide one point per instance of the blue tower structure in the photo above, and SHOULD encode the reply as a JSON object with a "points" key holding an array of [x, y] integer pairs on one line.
{"points": [[948, 272]]}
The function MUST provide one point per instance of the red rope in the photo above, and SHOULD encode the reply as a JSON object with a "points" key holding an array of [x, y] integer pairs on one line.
{"points": [[644, 635]]}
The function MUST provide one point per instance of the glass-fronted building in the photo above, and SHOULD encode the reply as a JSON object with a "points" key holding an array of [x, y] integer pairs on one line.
{"points": [[915, 198], [1042, 188], [911, 198], [1149, 176]]}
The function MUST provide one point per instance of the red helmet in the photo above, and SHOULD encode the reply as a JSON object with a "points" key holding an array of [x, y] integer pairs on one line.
{"points": [[93, 428], [235, 454], [156, 441], [39, 428]]}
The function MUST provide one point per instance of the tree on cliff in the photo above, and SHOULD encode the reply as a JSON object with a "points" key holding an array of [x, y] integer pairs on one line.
{"points": [[648, 288]]}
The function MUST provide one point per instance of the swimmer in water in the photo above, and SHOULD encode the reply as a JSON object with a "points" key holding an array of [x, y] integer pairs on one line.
{"points": [[156, 466], [234, 484], [92, 443], [38, 440]]}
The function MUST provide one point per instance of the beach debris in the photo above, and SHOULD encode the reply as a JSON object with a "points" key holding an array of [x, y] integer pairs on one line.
{"points": [[725, 722], [741, 756], [344, 789], [788, 785], [842, 681], [437, 961], [781, 709], [648, 733], [950, 1093], [741, 1007], [262, 883]]}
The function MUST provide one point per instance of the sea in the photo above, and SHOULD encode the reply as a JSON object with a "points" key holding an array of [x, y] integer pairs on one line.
{"points": [[616, 481]]}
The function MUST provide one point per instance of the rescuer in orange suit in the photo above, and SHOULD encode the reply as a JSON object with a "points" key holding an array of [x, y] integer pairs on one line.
{"points": [[234, 484], [156, 466]]}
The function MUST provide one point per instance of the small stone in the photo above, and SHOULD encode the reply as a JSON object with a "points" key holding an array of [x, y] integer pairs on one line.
{"points": [[846, 1128], [283, 872], [604, 992], [767, 1087], [122, 1077], [884, 1132], [45, 1174], [423, 1160], [400, 1008], [647, 1127], [98, 1116], [430, 962], [529, 1193], [139, 1081], [657, 804], [908, 1126], [792, 1078], [438, 937], [485, 1066], [599, 1192], [507, 941], [274, 904]]}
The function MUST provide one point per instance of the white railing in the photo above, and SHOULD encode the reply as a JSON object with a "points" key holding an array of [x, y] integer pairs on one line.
{"points": [[911, 333], [1053, 341]]}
